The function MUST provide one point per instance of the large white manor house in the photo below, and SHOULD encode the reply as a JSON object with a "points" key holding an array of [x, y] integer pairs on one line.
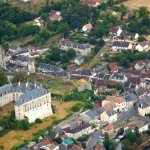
{"points": [[31, 101]]}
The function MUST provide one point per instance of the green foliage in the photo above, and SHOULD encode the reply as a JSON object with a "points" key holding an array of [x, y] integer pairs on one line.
{"points": [[126, 144], [126, 57], [19, 77], [83, 138], [109, 143], [75, 108], [141, 39], [58, 140], [3, 78], [71, 53], [38, 120], [42, 37]]}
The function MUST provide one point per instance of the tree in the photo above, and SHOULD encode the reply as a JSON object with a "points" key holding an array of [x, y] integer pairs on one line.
{"points": [[25, 124], [19, 77], [92, 41], [126, 144], [71, 53], [131, 136], [44, 17], [109, 143], [38, 120], [3, 78], [63, 28], [55, 55], [141, 38], [64, 58]]}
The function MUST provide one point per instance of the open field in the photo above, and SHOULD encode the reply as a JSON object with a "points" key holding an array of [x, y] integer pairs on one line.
{"points": [[17, 137], [134, 4], [6, 110], [33, 7]]}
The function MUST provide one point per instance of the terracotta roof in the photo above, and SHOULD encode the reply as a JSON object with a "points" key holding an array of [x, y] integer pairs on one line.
{"points": [[145, 75], [116, 99], [100, 83], [55, 17], [76, 147], [134, 80], [109, 127], [144, 43], [109, 105], [88, 26], [140, 63], [113, 67], [90, 2]]}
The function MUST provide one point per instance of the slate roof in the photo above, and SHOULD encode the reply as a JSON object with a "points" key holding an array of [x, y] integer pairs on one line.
{"points": [[110, 112], [48, 67], [121, 44], [144, 103], [130, 97], [29, 96]]}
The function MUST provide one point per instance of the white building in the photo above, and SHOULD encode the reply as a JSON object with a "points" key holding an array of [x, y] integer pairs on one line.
{"points": [[121, 45], [83, 49], [142, 46], [2, 58], [30, 101]]}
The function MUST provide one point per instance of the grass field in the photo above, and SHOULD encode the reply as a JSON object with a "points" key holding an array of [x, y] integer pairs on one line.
{"points": [[33, 7], [17, 137], [134, 4]]}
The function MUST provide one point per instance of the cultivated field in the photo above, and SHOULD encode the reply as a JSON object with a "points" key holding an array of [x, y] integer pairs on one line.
{"points": [[34, 6], [134, 4]]}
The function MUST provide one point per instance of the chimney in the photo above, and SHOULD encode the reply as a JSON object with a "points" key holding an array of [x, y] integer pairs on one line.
{"points": [[18, 83], [26, 84]]}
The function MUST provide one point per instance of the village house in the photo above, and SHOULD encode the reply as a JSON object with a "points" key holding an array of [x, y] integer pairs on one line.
{"points": [[117, 103], [92, 3], [119, 77], [144, 107], [46, 68], [140, 65], [108, 116], [78, 61], [141, 123], [55, 15], [78, 131], [121, 45], [83, 49], [142, 46], [129, 35], [130, 98], [38, 22], [86, 29], [115, 31]]}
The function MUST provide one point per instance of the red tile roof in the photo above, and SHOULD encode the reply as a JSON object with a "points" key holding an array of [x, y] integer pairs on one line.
{"points": [[134, 80]]}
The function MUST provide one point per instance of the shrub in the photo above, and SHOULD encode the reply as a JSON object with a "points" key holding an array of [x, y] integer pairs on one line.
{"points": [[38, 120]]}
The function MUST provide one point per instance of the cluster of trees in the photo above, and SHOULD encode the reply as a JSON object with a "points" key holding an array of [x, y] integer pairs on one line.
{"points": [[58, 27], [131, 139], [57, 55], [86, 96], [3, 78], [11, 19], [9, 123], [41, 37], [127, 57], [109, 143], [139, 21], [102, 26]]}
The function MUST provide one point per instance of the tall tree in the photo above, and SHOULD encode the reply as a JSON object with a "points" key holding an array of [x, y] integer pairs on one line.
{"points": [[3, 78]]}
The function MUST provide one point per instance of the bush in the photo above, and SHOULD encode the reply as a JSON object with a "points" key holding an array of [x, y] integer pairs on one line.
{"points": [[38, 120]]}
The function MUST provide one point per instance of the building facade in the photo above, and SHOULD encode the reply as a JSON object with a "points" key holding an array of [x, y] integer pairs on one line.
{"points": [[31, 101]]}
